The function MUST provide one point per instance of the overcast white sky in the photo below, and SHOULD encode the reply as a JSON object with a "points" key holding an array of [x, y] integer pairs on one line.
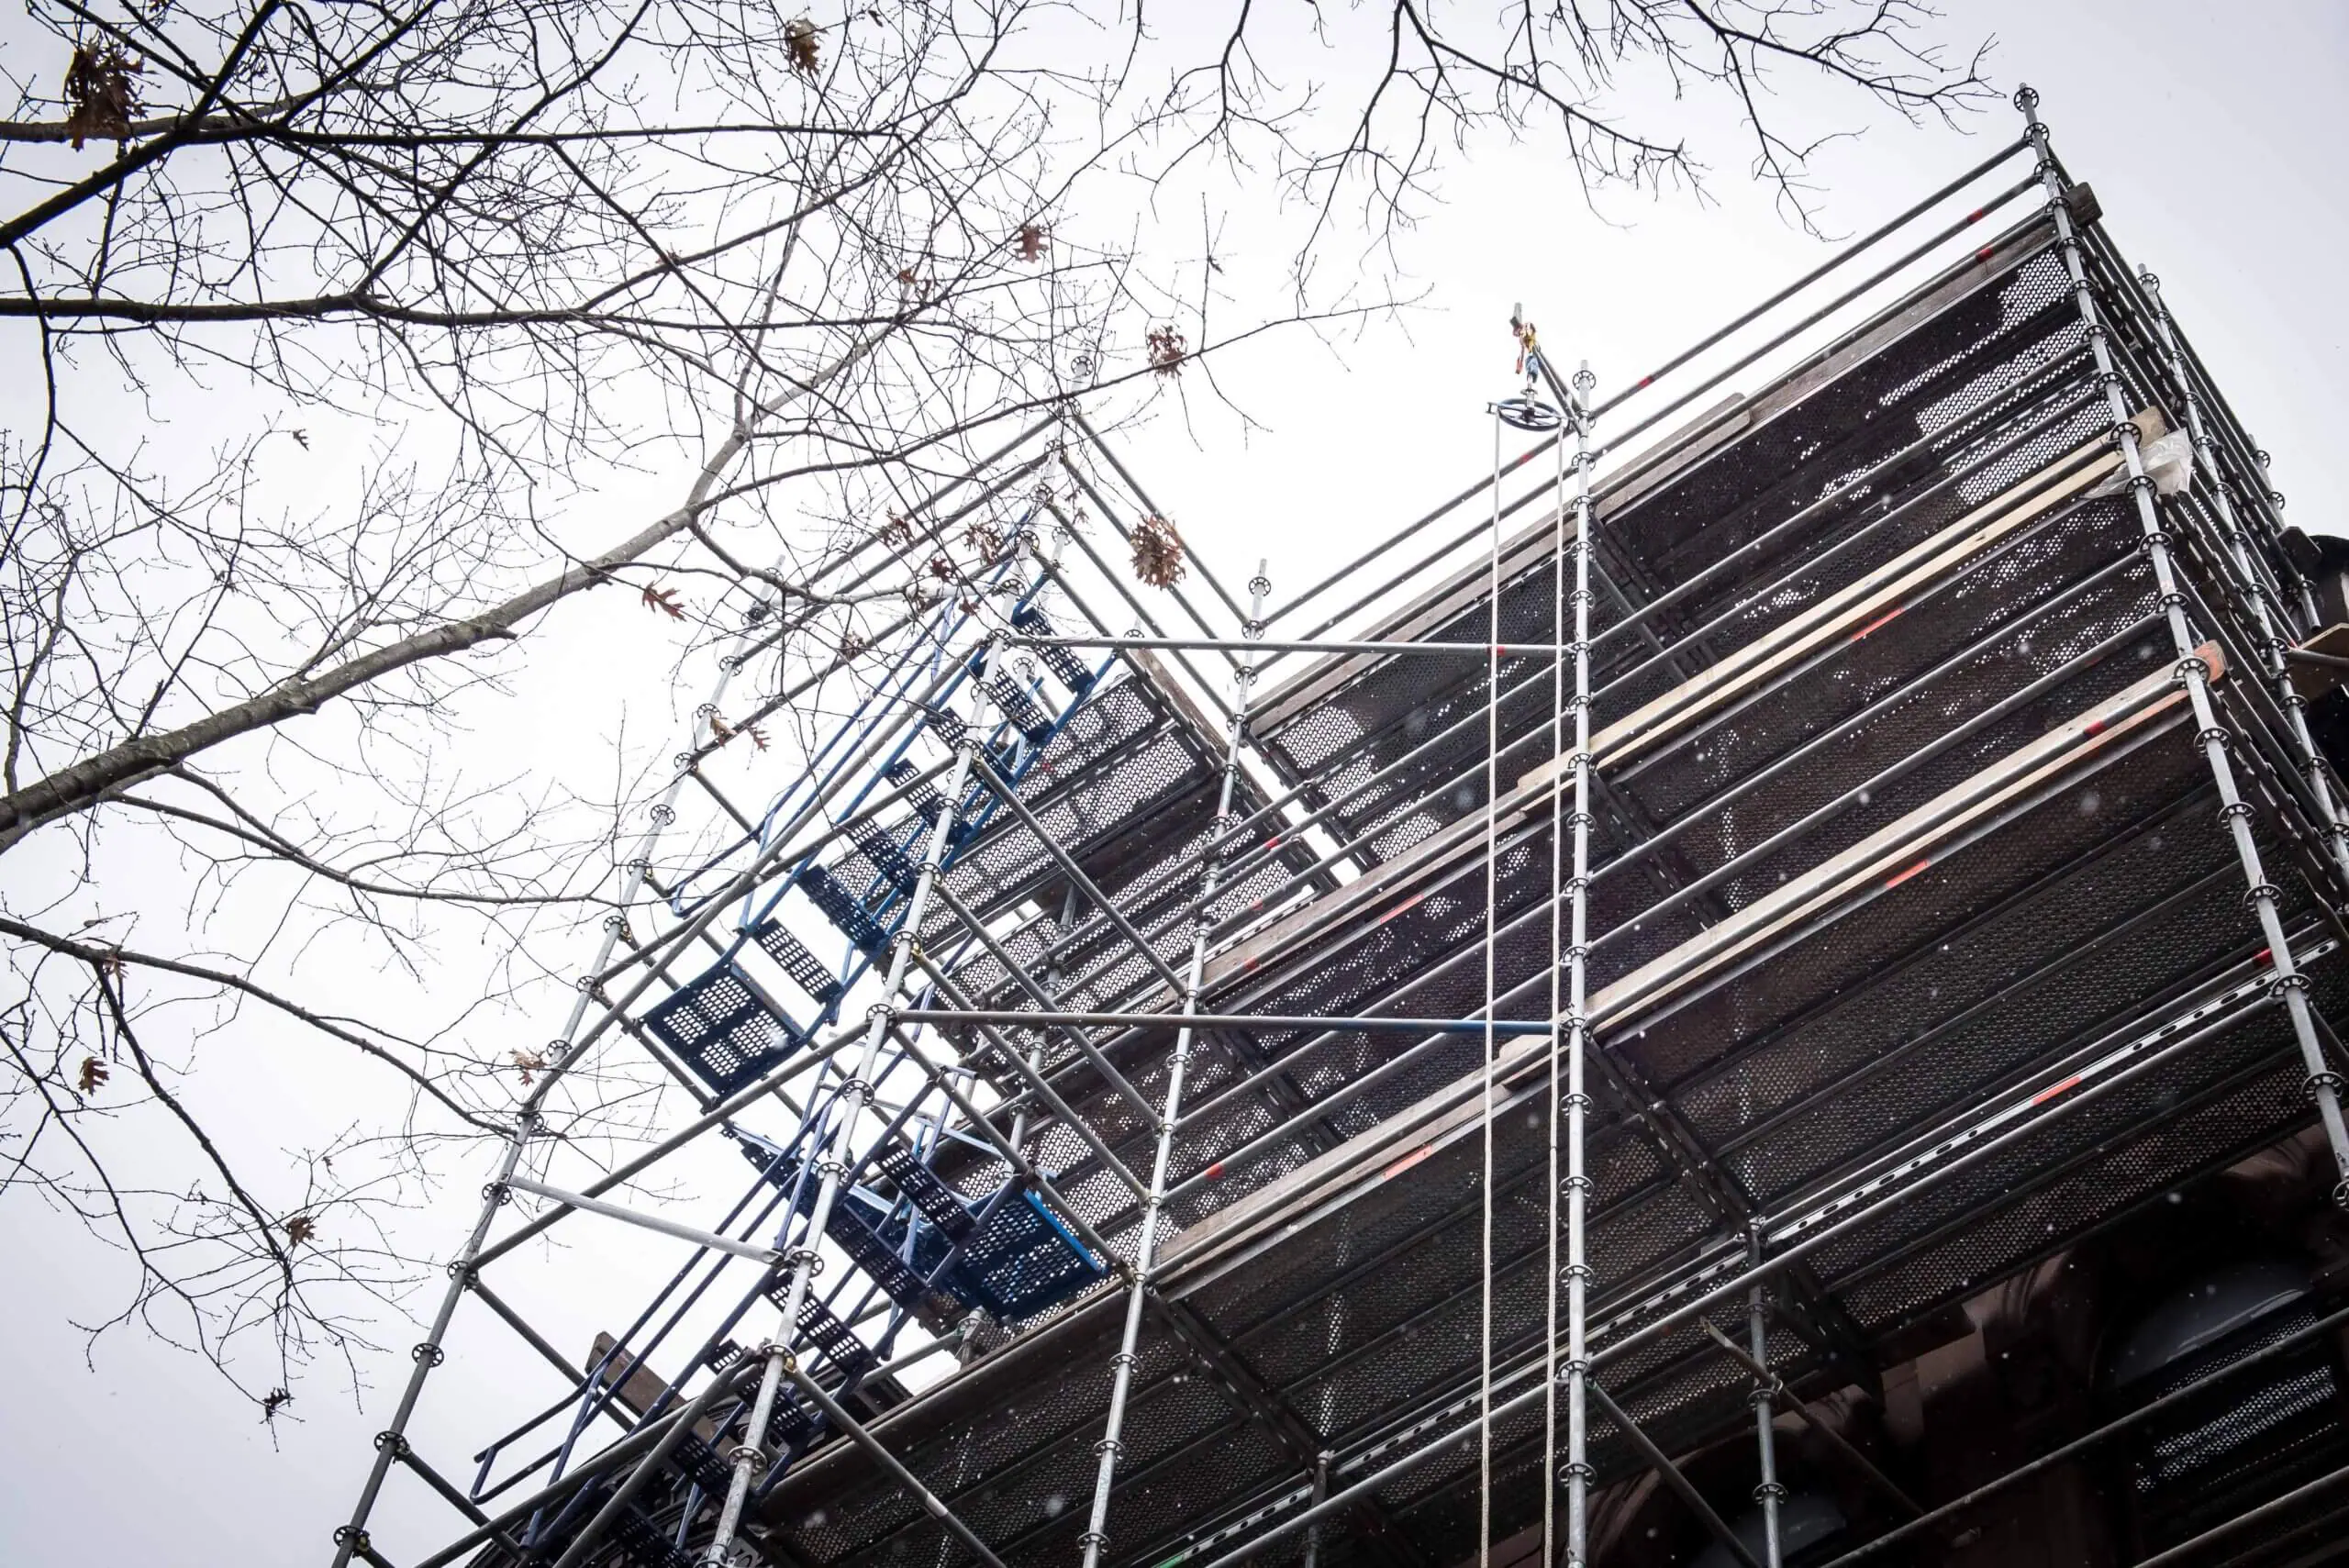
{"points": [[2211, 135]]}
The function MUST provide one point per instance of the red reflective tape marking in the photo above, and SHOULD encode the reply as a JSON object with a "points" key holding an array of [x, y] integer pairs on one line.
{"points": [[1252, 960], [1984, 253], [1273, 842], [1647, 380], [1912, 870], [1400, 907], [2262, 955], [2052, 1090], [1878, 622], [1215, 1170], [1408, 1160], [1977, 214], [2096, 727]]}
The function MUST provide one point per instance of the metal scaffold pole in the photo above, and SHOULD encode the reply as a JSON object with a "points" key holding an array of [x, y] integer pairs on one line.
{"points": [[351, 1539], [2272, 642], [1560, 542], [1491, 1005], [1096, 1530], [1577, 1019], [856, 1097], [1767, 1491], [2325, 1084]]}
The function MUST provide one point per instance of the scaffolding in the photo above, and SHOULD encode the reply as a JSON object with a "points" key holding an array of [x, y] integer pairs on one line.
{"points": [[1403, 1071]]}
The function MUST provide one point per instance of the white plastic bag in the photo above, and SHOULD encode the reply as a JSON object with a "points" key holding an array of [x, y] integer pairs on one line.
{"points": [[2169, 463]]}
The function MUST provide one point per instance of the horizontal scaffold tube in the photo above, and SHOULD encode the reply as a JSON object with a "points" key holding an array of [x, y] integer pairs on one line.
{"points": [[946, 1017]]}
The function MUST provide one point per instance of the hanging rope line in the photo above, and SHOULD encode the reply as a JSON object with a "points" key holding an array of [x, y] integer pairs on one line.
{"points": [[1558, 547], [1525, 411]]}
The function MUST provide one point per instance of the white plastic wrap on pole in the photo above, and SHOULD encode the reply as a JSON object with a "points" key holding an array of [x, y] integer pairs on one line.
{"points": [[682, 1231]]}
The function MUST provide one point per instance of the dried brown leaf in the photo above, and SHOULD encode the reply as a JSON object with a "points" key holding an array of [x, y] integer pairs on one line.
{"points": [[656, 597], [803, 42], [300, 1229], [100, 94], [1158, 552], [1167, 349], [94, 1073]]}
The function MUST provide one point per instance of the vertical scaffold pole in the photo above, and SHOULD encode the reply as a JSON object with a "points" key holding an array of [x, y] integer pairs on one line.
{"points": [[856, 1098], [351, 1537], [1096, 1530], [1554, 1173], [1491, 1039], [1576, 1021], [2272, 641], [2323, 1084], [1767, 1491]]}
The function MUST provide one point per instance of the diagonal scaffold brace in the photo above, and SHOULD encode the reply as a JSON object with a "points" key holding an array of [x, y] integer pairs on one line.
{"points": [[1096, 1531]]}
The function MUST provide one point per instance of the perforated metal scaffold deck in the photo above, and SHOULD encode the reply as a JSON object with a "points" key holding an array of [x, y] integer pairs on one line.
{"points": [[1947, 801]]}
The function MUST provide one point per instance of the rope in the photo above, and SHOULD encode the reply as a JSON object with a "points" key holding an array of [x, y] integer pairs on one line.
{"points": [[1557, 893]]}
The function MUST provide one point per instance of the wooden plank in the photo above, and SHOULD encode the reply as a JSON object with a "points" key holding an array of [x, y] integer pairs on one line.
{"points": [[1945, 553], [1855, 610], [1664, 459], [1901, 849], [1387, 1151], [638, 1385]]}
